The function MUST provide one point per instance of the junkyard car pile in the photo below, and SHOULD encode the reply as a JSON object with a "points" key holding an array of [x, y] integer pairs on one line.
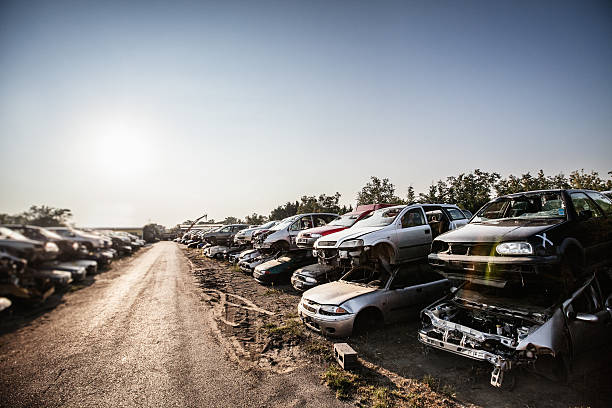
{"points": [[35, 261], [527, 281]]}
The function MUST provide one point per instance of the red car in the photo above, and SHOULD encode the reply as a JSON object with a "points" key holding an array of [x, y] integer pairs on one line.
{"points": [[307, 238]]}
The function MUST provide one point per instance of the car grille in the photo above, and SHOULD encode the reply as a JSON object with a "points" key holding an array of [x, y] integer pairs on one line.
{"points": [[471, 249], [327, 243]]}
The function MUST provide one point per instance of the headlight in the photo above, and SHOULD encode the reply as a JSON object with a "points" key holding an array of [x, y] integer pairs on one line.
{"points": [[514, 248], [51, 247], [351, 243], [75, 246], [332, 310], [309, 279], [316, 235]]}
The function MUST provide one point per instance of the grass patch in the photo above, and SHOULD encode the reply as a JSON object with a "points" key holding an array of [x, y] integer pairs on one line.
{"points": [[435, 384], [292, 330], [381, 398], [320, 349], [271, 292], [343, 382]]}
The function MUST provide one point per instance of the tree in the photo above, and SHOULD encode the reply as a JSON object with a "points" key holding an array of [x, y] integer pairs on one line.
{"points": [[153, 232], [590, 181], [377, 191], [45, 216], [232, 220], [285, 211], [527, 182], [255, 219], [324, 203], [470, 191], [410, 195]]}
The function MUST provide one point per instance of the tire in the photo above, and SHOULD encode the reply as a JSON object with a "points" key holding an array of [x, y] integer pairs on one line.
{"points": [[367, 320], [280, 246]]}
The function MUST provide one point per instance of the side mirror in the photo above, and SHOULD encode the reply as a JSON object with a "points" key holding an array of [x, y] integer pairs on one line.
{"points": [[609, 303]]}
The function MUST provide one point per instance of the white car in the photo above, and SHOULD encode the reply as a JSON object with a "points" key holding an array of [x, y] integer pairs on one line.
{"points": [[391, 235]]}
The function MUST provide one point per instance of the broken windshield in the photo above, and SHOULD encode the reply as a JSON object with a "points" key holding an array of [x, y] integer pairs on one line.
{"points": [[345, 220], [365, 276], [380, 218], [526, 206]]}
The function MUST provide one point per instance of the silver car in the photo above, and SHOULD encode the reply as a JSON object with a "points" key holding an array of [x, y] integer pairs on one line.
{"points": [[245, 236], [282, 236], [365, 297]]}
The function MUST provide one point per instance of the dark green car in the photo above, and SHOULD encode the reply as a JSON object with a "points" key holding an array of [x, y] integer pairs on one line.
{"points": [[281, 268]]}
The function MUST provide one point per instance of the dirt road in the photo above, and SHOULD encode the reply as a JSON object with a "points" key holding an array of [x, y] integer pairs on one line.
{"points": [[139, 336]]}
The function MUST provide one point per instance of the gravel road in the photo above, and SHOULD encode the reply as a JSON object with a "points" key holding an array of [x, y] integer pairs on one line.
{"points": [[139, 336]]}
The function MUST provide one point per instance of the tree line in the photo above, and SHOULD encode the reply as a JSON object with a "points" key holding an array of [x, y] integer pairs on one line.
{"points": [[469, 191]]}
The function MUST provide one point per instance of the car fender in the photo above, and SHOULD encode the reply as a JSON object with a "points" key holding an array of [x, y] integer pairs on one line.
{"points": [[383, 241], [570, 244], [367, 300]]}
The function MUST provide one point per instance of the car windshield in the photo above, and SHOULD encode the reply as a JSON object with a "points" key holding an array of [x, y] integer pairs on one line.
{"points": [[49, 234], [267, 225], [526, 206], [374, 278], [283, 224], [345, 220], [6, 233], [380, 218], [526, 294]]}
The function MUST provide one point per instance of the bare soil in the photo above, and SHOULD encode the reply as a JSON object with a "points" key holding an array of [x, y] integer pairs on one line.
{"points": [[261, 325]]}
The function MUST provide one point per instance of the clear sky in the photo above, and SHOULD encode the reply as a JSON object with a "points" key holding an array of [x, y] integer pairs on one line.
{"points": [[127, 112]]}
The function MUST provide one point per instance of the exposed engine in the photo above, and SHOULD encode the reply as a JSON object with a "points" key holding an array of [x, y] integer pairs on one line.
{"points": [[486, 335]]}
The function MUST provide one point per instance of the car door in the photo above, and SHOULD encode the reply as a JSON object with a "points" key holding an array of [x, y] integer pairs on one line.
{"points": [[298, 225], [589, 340], [590, 231], [605, 204], [405, 294], [413, 235]]}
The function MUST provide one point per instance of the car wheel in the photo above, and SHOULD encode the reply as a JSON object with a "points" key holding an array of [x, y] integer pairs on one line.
{"points": [[367, 320], [282, 246]]}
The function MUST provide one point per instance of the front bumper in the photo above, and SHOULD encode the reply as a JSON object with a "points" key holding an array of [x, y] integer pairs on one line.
{"points": [[301, 285], [333, 326], [263, 277], [484, 264], [305, 243]]}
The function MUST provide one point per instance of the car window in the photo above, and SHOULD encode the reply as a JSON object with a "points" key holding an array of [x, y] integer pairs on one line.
{"points": [[365, 276], [226, 229], [404, 278], [305, 223], [602, 201], [319, 221], [583, 204], [455, 214], [413, 218]]}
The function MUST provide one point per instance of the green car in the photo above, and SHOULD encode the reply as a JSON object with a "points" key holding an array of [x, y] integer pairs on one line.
{"points": [[281, 268]]}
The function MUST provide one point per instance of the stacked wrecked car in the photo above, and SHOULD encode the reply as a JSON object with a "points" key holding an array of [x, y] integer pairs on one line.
{"points": [[534, 284], [35, 262]]}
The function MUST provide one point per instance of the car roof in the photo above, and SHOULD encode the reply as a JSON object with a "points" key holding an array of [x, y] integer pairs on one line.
{"points": [[552, 190]]}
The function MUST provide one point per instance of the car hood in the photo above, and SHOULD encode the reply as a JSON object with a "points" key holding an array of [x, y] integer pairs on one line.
{"points": [[499, 230], [336, 293], [350, 233]]}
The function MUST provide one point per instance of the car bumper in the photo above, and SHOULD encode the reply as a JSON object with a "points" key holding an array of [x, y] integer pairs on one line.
{"points": [[301, 285], [305, 242], [333, 326], [263, 277], [487, 263]]}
